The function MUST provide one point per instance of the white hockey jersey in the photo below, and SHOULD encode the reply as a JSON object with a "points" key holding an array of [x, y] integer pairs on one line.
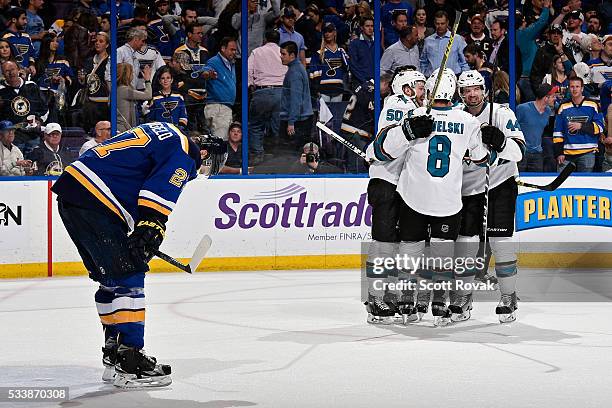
{"points": [[394, 111], [504, 166], [430, 181]]}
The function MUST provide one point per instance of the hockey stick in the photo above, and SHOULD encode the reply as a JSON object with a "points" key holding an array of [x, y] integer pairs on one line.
{"points": [[565, 173], [196, 258], [444, 59], [342, 140]]}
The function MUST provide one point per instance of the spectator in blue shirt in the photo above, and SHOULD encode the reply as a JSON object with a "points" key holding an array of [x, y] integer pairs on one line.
{"points": [[533, 118], [361, 53], [388, 15], [288, 33], [36, 26], [296, 105], [221, 89], [435, 45]]}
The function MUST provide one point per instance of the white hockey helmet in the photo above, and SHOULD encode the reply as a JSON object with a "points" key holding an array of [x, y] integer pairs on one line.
{"points": [[446, 88], [405, 77], [471, 78], [583, 71]]}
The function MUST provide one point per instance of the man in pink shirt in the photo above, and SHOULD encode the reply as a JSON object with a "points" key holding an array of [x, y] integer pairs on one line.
{"points": [[266, 73]]}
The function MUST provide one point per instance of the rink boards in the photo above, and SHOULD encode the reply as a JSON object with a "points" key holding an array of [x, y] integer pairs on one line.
{"points": [[261, 223]]}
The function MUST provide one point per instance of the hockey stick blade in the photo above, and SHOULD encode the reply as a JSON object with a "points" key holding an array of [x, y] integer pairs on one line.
{"points": [[196, 259], [200, 253], [565, 173], [342, 140]]}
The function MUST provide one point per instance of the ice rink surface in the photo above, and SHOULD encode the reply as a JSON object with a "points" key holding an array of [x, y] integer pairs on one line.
{"points": [[299, 339]]}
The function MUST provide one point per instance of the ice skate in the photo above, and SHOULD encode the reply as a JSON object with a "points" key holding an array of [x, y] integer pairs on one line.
{"points": [[109, 359], [134, 369], [506, 308], [460, 308], [378, 311], [439, 310], [422, 305], [407, 308], [393, 303]]}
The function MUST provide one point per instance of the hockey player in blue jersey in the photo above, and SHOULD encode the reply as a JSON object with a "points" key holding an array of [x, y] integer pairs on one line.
{"points": [[129, 183]]}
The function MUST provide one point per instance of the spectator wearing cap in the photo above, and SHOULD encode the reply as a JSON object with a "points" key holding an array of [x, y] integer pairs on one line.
{"points": [[525, 40], [102, 133], [351, 18], [533, 118], [578, 124], [11, 158], [222, 88], [19, 40], [477, 34], [404, 52], [288, 33], [361, 53], [544, 56], [573, 36], [233, 164], [266, 73], [258, 19], [435, 45], [296, 105], [601, 67], [329, 67], [391, 21], [20, 99], [49, 159]]}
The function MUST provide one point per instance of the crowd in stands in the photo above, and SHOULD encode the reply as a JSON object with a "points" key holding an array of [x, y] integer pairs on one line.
{"points": [[308, 60], [53, 55]]}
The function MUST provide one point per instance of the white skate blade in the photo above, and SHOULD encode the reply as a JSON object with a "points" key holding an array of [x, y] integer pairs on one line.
{"points": [[507, 318], [131, 381], [461, 317], [406, 319], [108, 376], [380, 319], [441, 321]]}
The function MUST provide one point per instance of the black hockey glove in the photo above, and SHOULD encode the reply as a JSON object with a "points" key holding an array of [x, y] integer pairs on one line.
{"points": [[417, 127], [493, 137], [147, 235]]}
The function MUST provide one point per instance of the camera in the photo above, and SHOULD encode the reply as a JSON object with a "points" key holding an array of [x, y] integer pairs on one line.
{"points": [[311, 156]]}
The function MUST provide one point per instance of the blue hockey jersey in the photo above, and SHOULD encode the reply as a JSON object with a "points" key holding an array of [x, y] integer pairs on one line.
{"points": [[59, 67], [22, 47], [168, 108], [146, 166], [328, 71], [164, 43], [580, 142]]}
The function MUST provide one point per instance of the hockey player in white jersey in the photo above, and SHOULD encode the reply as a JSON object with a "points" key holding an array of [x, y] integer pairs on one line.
{"points": [[430, 182], [408, 94], [506, 141]]}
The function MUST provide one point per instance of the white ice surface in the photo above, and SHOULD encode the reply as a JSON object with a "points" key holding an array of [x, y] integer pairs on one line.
{"points": [[299, 339]]}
